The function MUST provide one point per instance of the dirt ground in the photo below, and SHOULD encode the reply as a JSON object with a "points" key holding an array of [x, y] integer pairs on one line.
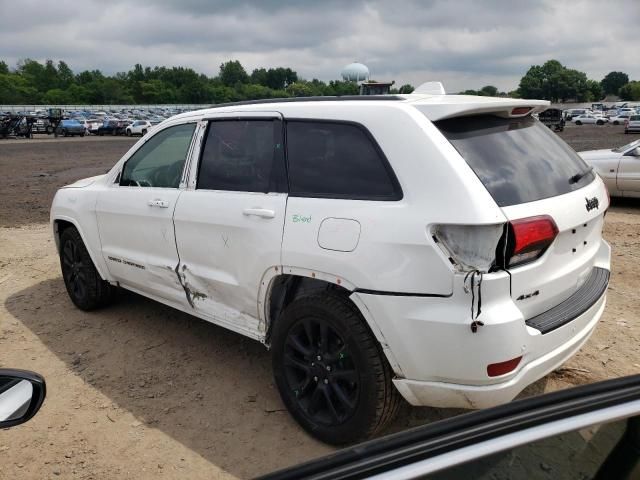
{"points": [[140, 390]]}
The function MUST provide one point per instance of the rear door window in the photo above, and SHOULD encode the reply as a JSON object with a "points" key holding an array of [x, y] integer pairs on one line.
{"points": [[330, 159], [518, 160], [243, 156]]}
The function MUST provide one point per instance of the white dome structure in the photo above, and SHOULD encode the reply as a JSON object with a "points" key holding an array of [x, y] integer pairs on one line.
{"points": [[355, 72]]}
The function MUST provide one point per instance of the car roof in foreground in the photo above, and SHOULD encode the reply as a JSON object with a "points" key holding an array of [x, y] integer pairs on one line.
{"points": [[435, 107]]}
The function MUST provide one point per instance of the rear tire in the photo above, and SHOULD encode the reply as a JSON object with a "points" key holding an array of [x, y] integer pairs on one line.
{"points": [[615, 122], [578, 122], [87, 290], [599, 122], [331, 372], [128, 133], [144, 132]]}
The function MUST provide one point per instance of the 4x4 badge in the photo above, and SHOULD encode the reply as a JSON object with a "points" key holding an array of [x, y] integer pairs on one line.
{"points": [[592, 203]]}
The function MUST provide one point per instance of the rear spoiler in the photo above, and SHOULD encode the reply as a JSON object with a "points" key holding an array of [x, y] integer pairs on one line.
{"points": [[449, 106]]}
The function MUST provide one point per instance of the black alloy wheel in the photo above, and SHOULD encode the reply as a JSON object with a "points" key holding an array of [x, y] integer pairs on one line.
{"points": [[74, 270], [320, 371], [330, 370], [84, 285]]}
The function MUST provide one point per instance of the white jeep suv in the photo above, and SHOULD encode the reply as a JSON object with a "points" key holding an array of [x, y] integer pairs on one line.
{"points": [[442, 248]]}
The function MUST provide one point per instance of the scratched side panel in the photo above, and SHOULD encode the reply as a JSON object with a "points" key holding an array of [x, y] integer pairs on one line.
{"points": [[225, 253]]}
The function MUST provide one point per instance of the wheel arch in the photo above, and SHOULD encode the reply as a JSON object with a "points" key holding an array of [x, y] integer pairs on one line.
{"points": [[281, 285], [61, 223]]}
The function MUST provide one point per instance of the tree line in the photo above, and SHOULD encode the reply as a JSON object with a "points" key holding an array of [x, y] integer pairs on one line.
{"points": [[557, 83], [32, 82]]}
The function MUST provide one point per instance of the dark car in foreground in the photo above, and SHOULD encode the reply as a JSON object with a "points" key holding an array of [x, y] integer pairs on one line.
{"points": [[587, 432]]}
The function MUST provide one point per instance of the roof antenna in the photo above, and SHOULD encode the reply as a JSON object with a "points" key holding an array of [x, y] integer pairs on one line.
{"points": [[431, 88]]}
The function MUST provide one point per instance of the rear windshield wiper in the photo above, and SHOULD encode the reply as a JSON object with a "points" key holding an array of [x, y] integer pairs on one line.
{"points": [[579, 176]]}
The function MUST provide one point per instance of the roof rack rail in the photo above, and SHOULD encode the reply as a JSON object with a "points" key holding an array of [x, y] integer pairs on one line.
{"points": [[326, 98]]}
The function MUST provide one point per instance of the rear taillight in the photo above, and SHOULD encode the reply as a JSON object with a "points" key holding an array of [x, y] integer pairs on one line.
{"points": [[529, 238], [469, 247]]}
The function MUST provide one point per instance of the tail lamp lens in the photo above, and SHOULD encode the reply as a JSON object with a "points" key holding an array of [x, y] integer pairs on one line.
{"points": [[532, 237]]}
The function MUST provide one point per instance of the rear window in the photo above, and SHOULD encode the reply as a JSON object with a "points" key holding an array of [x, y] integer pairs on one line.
{"points": [[337, 160], [518, 160]]}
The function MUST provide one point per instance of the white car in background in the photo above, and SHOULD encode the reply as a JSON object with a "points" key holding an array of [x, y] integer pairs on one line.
{"points": [[139, 127], [589, 118], [618, 167], [620, 119], [633, 124], [447, 249], [572, 113]]}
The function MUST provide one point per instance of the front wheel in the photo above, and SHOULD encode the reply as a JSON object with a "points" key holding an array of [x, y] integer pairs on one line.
{"points": [[144, 132], [615, 122], [84, 285], [599, 122], [330, 370], [578, 122]]}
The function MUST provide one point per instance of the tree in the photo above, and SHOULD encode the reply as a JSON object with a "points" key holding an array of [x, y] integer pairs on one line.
{"points": [[553, 81], [65, 75], [630, 91], [4, 68], [300, 89], [406, 88], [232, 73], [612, 82], [489, 91], [595, 90]]}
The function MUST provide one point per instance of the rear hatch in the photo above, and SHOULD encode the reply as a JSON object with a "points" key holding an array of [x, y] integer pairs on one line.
{"points": [[541, 184]]}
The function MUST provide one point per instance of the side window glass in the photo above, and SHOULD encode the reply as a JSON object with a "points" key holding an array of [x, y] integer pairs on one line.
{"points": [[243, 156], [337, 160], [576, 455], [159, 162]]}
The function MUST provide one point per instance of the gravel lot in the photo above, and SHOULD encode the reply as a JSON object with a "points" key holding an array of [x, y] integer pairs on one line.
{"points": [[140, 390]]}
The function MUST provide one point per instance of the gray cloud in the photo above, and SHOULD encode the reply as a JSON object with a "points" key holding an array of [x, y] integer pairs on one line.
{"points": [[465, 43]]}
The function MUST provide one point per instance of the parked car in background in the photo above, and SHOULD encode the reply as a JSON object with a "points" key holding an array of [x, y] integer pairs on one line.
{"points": [[629, 110], [552, 118], [619, 168], [620, 118], [110, 127], [139, 127], [575, 112], [633, 124], [311, 226], [589, 118], [70, 128], [93, 125]]}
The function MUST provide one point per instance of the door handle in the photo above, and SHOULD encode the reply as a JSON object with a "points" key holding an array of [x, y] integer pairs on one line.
{"points": [[159, 203], [259, 212]]}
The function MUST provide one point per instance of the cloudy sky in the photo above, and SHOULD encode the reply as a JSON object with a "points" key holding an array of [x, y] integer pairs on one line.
{"points": [[464, 43]]}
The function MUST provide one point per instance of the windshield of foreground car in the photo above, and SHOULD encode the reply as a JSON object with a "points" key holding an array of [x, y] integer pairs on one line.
{"points": [[518, 160], [628, 146]]}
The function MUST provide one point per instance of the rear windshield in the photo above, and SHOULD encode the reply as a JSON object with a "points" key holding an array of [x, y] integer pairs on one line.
{"points": [[518, 160]]}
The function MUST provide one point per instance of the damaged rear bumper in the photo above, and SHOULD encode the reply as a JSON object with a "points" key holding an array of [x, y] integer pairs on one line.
{"points": [[440, 362], [450, 395]]}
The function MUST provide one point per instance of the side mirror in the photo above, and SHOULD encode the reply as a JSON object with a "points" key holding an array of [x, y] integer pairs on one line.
{"points": [[21, 396]]}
